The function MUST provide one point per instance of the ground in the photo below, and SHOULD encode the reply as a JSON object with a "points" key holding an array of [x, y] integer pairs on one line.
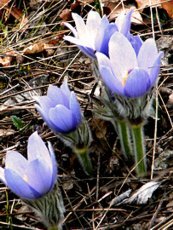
{"points": [[33, 54]]}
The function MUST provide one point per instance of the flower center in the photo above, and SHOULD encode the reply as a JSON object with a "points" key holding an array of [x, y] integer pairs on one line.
{"points": [[25, 178], [125, 76]]}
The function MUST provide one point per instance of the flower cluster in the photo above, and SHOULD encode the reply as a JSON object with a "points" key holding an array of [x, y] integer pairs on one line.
{"points": [[129, 68], [94, 36], [121, 56]]}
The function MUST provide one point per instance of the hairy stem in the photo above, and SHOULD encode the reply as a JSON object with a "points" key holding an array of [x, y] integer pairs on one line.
{"points": [[84, 159], [55, 227], [125, 139], [139, 149], [49, 208]]}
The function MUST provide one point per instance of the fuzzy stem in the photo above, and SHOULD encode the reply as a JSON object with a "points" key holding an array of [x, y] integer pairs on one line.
{"points": [[124, 135], [49, 208], [139, 149], [84, 159], [54, 227]]}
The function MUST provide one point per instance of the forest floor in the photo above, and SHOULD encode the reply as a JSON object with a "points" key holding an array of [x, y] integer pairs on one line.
{"points": [[33, 55]]}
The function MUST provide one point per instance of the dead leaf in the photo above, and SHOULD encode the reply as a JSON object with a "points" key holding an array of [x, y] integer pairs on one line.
{"points": [[86, 2], [144, 193], [116, 9], [3, 3], [146, 3], [7, 57], [5, 61], [34, 48], [17, 13], [65, 15], [74, 5], [121, 198], [38, 48], [168, 6], [6, 132]]}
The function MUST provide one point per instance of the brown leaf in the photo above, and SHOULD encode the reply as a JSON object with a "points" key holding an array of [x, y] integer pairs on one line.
{"points": [[19, 16], [34, 48], [17, 13], [4, 3], [6, 132], [146, 3], [74, 5], [5, 61], [86, 2], [38, 48], [65, 15], [116, 9], [168, 6], [7, 57]]}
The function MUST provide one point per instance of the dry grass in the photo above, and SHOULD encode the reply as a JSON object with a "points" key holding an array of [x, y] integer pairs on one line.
{"points": [[87, 199]]}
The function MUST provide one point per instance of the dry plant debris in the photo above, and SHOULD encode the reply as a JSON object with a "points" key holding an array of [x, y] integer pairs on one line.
{"points": [[33, 55]]}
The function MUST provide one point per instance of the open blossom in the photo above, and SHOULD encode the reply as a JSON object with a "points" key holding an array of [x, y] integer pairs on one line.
{"points": [[34, 177], [60, 109], [123, 23], [126, 72], [94, 35]]}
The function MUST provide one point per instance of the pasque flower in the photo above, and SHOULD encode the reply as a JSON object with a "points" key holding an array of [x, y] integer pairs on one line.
{"points": [[126, 72], [34, 177], [123, 23], [96, 33], [60, 109]]}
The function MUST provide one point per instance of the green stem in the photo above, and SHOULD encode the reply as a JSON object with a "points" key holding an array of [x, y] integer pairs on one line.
{"points": [[124, 135], [53, 227], [84, 159], [139, 149]]}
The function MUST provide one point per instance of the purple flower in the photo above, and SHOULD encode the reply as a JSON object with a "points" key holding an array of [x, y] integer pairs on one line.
{"points": [[127, 73], [32, 178], [123, 22], [60, 109], [92, 36], [96, 33]]}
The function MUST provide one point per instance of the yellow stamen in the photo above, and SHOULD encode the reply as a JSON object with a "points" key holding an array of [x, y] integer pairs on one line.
{"points": [[25, 178], [124, 78]]}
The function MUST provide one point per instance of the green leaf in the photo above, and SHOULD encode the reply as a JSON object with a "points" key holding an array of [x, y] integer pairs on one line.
{"points": [[17, 122]]}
